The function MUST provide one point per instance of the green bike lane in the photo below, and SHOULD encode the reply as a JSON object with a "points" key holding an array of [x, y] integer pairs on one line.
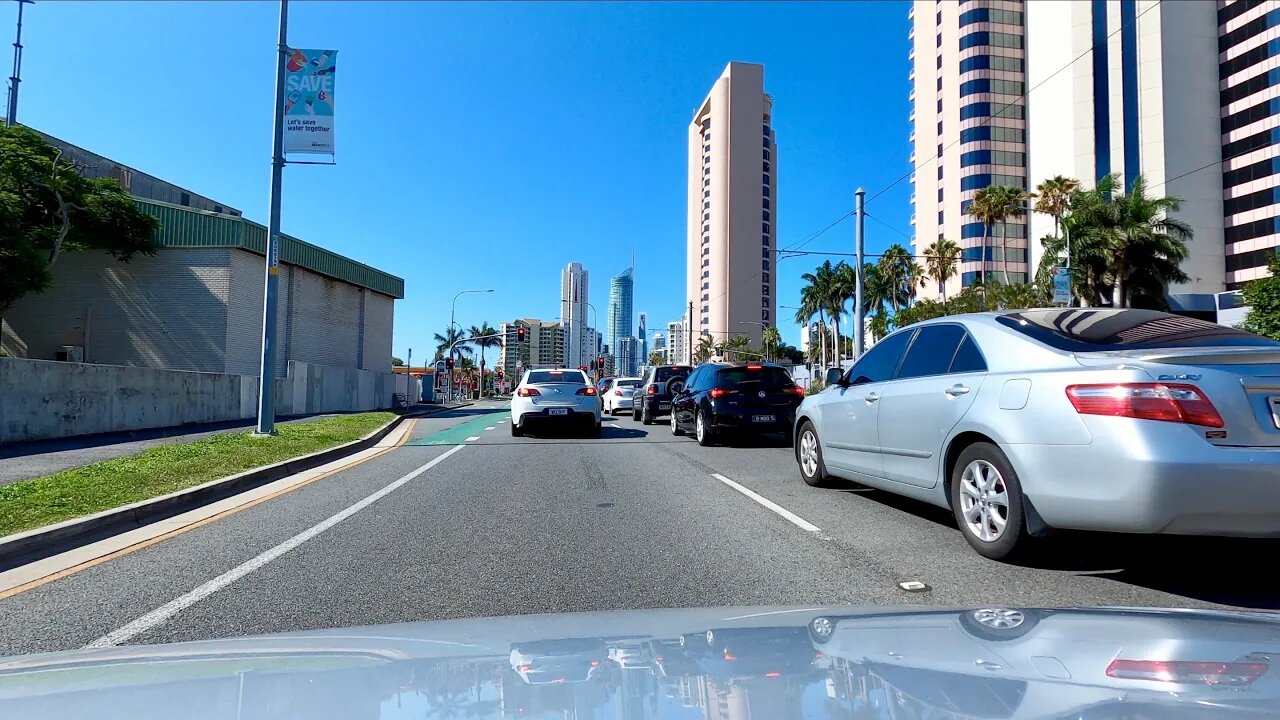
{"points": [[489, 418]]}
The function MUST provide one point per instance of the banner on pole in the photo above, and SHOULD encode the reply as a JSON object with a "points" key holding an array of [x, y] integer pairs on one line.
{"points": [[308, 105], [1061, 286]]}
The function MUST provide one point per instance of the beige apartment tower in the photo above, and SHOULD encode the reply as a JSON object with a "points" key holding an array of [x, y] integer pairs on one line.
{"points": [[732, 205]]}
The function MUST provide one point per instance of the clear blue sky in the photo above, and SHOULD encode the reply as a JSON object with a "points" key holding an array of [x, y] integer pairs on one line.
{"points": [[489, 144]]}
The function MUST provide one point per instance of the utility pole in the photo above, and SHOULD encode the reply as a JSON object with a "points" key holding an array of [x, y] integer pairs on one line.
{"points": [[267, 369], [12, 117], [859, 199], [688, 345]]}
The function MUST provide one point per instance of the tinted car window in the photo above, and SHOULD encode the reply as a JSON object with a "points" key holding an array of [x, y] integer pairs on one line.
{"points": [[763, 378], [932, 351], [626, 383], [568, 377], [881, 360], [968, 358], [1101, 329], [691, 382], [664, 374]]}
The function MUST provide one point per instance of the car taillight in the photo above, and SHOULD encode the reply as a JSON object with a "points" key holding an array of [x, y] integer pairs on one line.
{"points": [[595, 663], [797, 390], [773, 674], [720, 392], [1146, 401], [730, 656], [1233, 674], [527, 392], [753, 366], [651, 390], [524, 667], [587, 391], [618, 393]]}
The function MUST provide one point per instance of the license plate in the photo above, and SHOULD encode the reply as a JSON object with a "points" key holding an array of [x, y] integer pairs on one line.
{"points": [[558, 411], [1274, 401], [764, 418], [664, 406]]}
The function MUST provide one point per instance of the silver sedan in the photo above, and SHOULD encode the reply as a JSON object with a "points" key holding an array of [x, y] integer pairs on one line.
{"points": [[555, 397], [1088, 419]]}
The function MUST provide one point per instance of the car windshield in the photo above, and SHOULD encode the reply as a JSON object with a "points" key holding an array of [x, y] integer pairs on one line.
{"points": [[1091, 330], [749, 309], [754, 378], [568, 377]]}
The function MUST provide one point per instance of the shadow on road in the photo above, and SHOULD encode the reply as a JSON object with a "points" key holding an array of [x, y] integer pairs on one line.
{"points": [[1230, 571]]}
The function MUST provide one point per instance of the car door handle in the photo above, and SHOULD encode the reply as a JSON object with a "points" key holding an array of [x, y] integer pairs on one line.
{"points": [[955, 390], [872, 397]]}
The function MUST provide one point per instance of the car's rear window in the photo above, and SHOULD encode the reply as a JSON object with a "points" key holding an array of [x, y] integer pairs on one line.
{"points": [[1102, 329], [763, 378], [568, 377], [664, 374], [628, 383]]}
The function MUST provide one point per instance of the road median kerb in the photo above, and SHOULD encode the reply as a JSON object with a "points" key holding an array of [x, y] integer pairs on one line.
{"points": [[39, 543]]}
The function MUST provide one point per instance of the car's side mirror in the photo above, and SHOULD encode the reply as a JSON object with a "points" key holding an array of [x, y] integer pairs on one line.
{"points": [[833, 377]]}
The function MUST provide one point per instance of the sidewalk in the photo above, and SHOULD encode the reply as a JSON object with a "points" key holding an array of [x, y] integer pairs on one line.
{"points": [[19, 461]]}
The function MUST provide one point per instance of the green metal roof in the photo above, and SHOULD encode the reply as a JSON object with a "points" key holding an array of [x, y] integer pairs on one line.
{"points": [[187, 227]]}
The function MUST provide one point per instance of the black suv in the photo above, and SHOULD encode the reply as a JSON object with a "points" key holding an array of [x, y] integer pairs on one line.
{"points": [[736, 397], [653, 397]]}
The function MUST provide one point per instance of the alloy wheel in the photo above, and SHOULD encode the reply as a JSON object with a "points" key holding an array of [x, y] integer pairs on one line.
{"points": [[809, 453], [984, 501], [999, 618]]}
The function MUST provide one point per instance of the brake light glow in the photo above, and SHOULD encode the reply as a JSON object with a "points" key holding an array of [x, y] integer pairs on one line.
{"points": [[730, 656], [772, 674], [797, 390], [588, 390], [651, 390], [1232, 674], [1166, 402], [618, 393], [524, 667], [720, 392], [753, 366], [528, 392], [595, 663]]}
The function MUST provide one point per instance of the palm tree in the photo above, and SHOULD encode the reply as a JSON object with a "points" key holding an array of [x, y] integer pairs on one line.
{"points": [[810, 305], [771, 339], [1142, 246], [825, 281], [994, 204], [1053, 197], [898, 272], [484, 336], [941, 259], [703, 351], [451, 336], [656, 358]]}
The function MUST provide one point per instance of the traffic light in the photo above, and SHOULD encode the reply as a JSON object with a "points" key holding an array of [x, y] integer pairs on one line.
{"points": [[600, 363], [520, 334], [500, 375], [448, 363]]}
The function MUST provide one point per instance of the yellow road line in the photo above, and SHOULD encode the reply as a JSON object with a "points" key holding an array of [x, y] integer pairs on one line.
{"points": [[33, 584]]}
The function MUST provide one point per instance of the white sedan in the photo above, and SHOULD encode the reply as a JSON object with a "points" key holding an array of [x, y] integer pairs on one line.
{"points": [[555, 397], [618, 394]]}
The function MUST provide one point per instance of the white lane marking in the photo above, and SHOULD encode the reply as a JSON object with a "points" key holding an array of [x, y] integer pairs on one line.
{"points": [[163, 613], [473, 438], [790, 516], [491, 427], [773, 612]]}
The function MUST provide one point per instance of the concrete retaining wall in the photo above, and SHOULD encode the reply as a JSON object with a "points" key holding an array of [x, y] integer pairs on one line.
{"points": [[42, 399]]}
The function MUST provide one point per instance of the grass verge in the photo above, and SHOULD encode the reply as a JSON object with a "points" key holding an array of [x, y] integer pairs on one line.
{"points": [[161, 470]]}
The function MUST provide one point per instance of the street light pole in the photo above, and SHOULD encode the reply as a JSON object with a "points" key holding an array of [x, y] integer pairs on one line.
{"points": [[11, 118], [453, 307], [859, 199], [267, 368]]}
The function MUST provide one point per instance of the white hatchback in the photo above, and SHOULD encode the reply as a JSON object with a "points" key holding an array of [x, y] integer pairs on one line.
{"points": [[555, 397]]}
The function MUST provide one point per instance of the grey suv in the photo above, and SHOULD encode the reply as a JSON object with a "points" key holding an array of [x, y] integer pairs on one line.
{"points": [[653, 397]]}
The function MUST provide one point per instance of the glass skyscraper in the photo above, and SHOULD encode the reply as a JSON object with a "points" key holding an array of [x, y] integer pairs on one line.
{"points": [[621, 293]]}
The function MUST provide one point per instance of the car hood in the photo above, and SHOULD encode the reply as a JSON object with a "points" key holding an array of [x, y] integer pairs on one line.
{"points": [[766, 662]]}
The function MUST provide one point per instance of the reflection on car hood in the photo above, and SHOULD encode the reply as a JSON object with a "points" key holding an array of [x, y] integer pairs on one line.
{"points": [[712, 663]]}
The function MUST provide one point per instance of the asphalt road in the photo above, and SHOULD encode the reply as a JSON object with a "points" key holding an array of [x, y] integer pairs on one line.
{"points": [[465, 520]]}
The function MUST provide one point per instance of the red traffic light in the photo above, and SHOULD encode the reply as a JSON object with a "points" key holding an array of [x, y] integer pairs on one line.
{"points": [[520, 334], [600, 363], [448, 363]]}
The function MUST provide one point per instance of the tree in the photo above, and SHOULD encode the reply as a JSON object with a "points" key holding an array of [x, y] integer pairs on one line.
{"points": [[941, 259], [1263, 298], [810, 305], [770, 338], [703, 351], [1141, 245], [484, 336], [827, 292], [451, 336], [1053, 198], [47, 208], [899, 274], [396, 362], [995, 204], [656, 358]]}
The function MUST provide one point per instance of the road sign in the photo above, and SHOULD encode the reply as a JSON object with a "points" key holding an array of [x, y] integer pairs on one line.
{"points": [[1061, 286]]}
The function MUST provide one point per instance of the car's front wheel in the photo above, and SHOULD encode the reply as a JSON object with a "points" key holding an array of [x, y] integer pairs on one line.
{"points": [[986, 498], [809, 457]]}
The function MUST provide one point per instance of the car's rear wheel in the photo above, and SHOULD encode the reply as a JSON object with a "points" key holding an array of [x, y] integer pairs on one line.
{"points": [[595, 431], [702, 430], [809, 456], [675, 424], [999, 623], [516, 430], [645, 417], [986, 498], [635, 412]]}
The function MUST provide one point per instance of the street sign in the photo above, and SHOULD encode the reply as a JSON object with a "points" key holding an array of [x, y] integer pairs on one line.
{"points": [[1061, 286]]}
